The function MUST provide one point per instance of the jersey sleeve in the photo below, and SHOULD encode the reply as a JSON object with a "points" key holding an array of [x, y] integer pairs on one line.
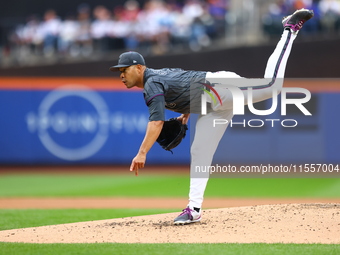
{"points": [[156, 108], [154, 99]]}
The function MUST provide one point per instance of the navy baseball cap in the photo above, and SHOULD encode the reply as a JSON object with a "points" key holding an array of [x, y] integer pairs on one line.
{"points": [[128, 59]]}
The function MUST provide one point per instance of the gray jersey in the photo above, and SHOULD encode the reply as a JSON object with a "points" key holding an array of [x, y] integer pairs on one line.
{"points": [[173, 89]]}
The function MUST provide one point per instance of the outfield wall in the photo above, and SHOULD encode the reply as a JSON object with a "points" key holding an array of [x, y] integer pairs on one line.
{"points": [[96, 121]]}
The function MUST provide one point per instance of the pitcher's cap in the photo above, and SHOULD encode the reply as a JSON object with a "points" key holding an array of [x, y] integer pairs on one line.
{"points": [[128, 59]]}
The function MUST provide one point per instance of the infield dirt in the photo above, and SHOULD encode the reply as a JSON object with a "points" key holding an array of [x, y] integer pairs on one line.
{"points": [[284, 223]]}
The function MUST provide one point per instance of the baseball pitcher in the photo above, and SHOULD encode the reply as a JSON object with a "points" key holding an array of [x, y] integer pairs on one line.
{"points": [[172, 89]]}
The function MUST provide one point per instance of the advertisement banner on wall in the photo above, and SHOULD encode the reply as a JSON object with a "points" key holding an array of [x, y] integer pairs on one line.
{"points": [[96, 121], [75, 124]]}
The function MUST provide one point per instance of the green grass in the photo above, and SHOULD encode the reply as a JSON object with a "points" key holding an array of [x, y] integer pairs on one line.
{"points": [[40, 185], [168, 249], [13, 219], [45, 185]]}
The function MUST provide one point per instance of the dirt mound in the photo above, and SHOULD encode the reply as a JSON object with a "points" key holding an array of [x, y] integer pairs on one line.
{"points": [[286, 223]]}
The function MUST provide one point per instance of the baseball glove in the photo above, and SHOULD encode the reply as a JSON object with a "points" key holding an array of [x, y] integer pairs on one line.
{"points": [[172, 133]]}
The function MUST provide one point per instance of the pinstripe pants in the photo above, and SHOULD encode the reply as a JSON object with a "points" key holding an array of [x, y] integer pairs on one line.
{"points": [[207, 136]]}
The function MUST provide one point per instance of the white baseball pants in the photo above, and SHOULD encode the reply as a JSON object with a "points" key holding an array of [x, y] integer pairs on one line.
{"points": [[207, 137]]}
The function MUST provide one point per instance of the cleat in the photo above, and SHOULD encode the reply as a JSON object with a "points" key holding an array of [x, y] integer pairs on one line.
{"points": [[295, 21], [187, 216]]}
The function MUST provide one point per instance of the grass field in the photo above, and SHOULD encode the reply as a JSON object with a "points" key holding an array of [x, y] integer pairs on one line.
{"points": [[40, 185], [166, 249], [44, 185], [12, 219]]}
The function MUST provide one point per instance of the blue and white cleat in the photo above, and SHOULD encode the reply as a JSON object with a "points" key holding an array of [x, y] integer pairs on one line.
{"points": [[187, 216]]}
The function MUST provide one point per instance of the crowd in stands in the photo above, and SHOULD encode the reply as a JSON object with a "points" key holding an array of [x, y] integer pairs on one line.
{"points": [[156, 26], [326, 19]]}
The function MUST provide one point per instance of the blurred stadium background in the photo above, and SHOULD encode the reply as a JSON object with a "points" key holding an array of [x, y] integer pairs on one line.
{"points": [[61, 105]]}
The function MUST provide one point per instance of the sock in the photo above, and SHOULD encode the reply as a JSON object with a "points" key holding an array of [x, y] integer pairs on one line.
{"points": [[197, 209]]}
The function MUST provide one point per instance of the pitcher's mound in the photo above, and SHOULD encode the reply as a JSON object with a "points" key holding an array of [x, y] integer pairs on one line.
{"points": [[286, 223]]}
